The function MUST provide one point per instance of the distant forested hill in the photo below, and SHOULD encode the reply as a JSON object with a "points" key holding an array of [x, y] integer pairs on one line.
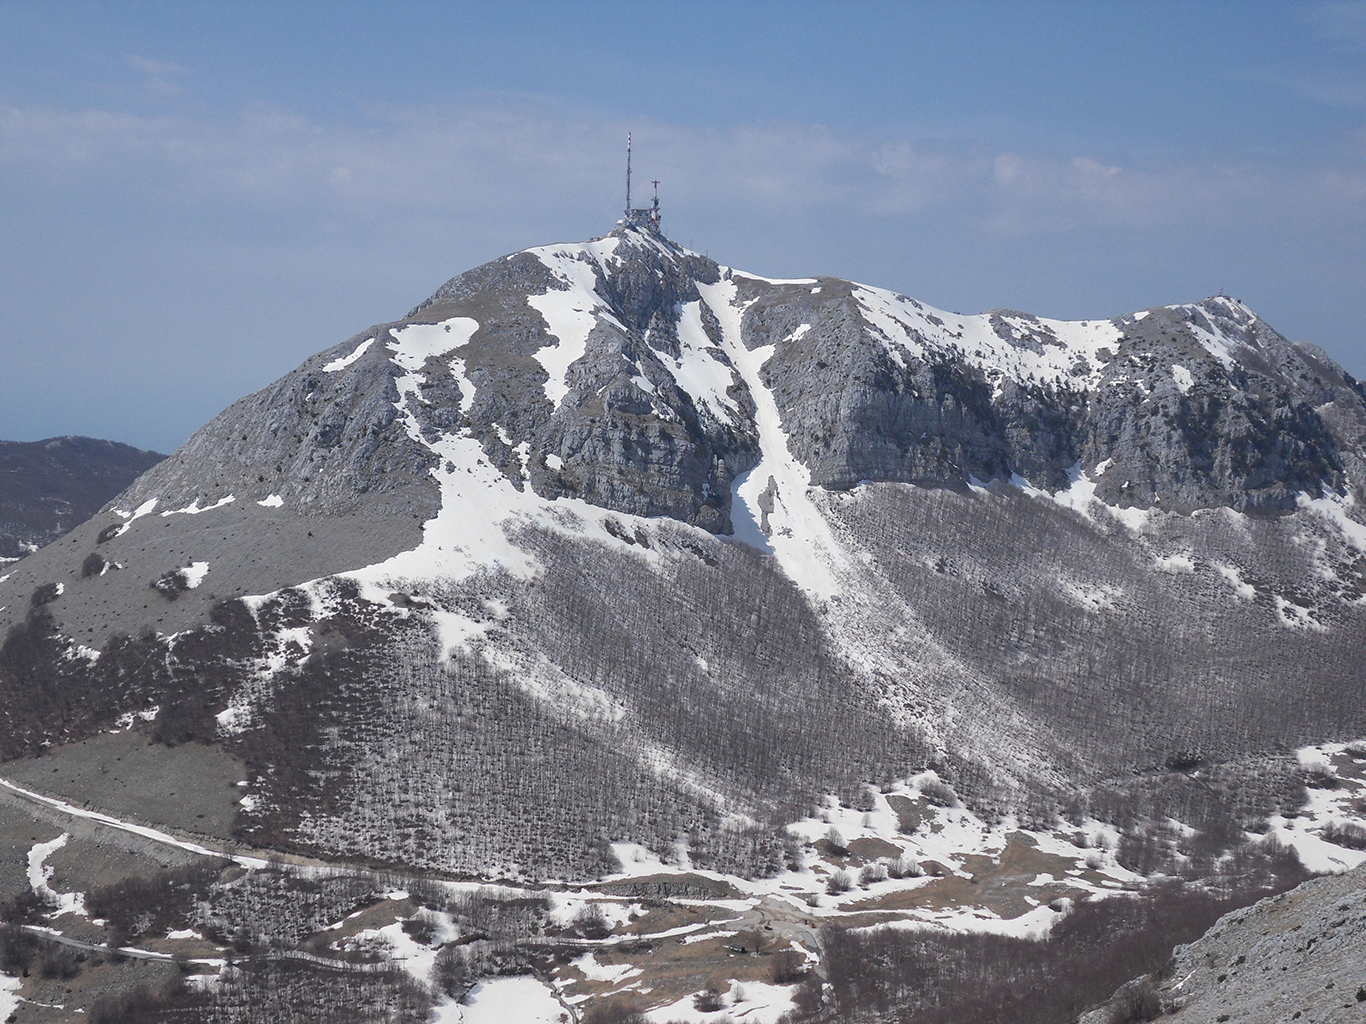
{"points": [[47, 487]]}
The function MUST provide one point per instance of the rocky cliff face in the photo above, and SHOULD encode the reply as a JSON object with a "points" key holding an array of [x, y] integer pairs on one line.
{"points": [[604, 372], [552, 359], [1184, 407], [330, 442]]}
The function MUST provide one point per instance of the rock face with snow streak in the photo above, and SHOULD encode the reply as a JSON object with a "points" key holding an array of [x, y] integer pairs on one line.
{"points": [[1187, 407], [588, 376], [602, 371]]}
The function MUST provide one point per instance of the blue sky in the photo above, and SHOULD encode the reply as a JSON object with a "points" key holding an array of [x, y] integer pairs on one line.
{"points": [[194, 197]]}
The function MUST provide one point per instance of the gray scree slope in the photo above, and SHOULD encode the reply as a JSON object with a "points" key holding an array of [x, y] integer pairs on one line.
{"points": [[1299, 956]]}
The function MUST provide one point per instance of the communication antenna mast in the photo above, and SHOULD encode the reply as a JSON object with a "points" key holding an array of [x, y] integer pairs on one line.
{"points": [[645, 217]]}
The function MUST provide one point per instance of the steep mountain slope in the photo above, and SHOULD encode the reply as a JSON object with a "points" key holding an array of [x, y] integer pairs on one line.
{"points": [[1295, 956], [47, 487], [607, 542]]}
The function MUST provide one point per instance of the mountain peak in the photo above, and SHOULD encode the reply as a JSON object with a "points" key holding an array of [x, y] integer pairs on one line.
{"points": [[626, 376], [631, 373]]}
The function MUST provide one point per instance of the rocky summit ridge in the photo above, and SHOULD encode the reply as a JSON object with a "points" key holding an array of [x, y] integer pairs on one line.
{"points": [[637, 376]]}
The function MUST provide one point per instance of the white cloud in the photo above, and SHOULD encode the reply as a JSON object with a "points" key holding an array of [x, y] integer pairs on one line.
{"points": [[1343, 22], [159, 68], [490, 158], [295, 231], [158, 85]]}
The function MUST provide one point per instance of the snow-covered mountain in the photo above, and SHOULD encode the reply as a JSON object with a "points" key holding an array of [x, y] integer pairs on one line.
{"points": [[606, 542]]}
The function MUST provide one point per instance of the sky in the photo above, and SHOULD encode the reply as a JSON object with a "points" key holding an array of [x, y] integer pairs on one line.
{"points": [[195, 197]]}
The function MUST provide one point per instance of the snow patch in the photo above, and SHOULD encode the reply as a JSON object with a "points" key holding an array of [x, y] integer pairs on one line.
{"points": [[1030, 349], [456, 632], [570, 313], [771, 280], [234, 719], [9, 995], [705, 378], [1177, 563], [1244, 590], [798, 535], [457, 544], [467, 388], [274, 501], [708, 936], [1218, 345], [753, 1002], [517, 1000], [193, 508], [1080, 496], [343, 362], [1294, 616], [1325, 807], [589, 967], [194, 573], [144, 509], [410, 347], [1183, 378], [1034, 924], [126, 720], [954, 838], [552, 686], [414, 957], [564, 908], [39, 873], [1094, 599], [291, 644], [1334, 508]]}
